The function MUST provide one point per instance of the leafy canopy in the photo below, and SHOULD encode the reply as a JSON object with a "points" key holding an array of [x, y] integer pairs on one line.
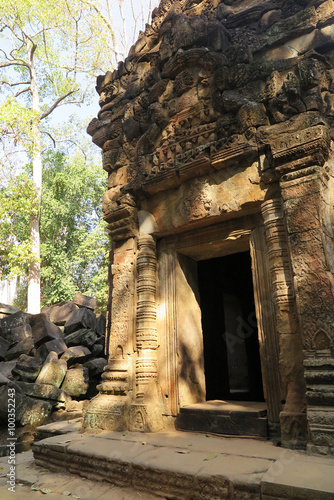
{"points": [[73, 236], [53, 48]]}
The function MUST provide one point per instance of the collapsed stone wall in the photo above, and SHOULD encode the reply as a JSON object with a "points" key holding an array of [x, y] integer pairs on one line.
{"points": [[224, 109], [53, 361]]}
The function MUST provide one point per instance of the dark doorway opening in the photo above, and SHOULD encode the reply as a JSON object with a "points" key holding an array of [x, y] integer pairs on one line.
{"points": [[231, 347]]}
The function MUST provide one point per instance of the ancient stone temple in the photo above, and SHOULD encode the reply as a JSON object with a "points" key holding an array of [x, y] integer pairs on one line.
{"points": [[216, 136]]}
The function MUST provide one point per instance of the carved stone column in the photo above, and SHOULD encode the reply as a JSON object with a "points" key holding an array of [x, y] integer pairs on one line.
{"points": [[293, 416], [308, 208], [146, 409], [110, 408]]}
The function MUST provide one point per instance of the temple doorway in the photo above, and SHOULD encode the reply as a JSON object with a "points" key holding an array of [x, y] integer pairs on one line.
{"points": [[219, 357], [232, 362]]}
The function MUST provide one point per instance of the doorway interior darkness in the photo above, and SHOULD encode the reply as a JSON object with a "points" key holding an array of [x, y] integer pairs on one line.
{"points": [[231, 348]]}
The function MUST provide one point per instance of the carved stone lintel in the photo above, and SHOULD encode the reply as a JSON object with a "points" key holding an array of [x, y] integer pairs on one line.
{"points": [[235, 150]]}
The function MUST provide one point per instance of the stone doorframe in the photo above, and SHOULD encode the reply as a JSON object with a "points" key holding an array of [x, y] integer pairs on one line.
{"points": [[290, 237], [238, 235]]}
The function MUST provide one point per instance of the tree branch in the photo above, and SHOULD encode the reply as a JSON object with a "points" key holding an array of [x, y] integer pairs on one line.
{"points": [[57, 103], [52, 139], [27, 89], [17, 62]]}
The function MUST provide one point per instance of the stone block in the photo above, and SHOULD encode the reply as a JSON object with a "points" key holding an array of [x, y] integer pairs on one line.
{"points": [[83, 337], [27, 367], [27, 410], [59, 314], [45, 330], [3, 379], [76, 382], [25, 346], [81, 318], [85, 301], [303, 213], [57, 345], [12, 321], [6, 368], [53, 370], [36, 318], [4, 346], [95, 366], [299, 479], [325, 12], [6, 309], [97, 349], [44, 391], [76, 354], [101, 323], [21, 332]]}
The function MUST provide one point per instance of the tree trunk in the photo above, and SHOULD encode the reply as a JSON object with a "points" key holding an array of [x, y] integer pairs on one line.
{"points": [[34, 278]]}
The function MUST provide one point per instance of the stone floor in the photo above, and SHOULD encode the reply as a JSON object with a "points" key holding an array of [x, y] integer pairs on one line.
{"points": [[169, 465]]}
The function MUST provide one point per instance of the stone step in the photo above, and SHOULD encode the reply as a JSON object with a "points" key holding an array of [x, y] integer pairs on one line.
{"points": [[230, 418], [189, 466]]}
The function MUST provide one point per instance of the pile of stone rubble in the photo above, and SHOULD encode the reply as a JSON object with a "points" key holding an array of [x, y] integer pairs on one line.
{"points": [[53, 360]]}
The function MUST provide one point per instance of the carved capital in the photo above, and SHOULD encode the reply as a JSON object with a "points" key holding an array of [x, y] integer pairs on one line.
{"points": [[301, 149], [121, 214]]}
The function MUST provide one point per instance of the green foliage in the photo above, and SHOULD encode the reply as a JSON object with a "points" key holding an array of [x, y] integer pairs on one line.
{"points": [[73, 237], [51, 52], [17, 204], [21, 299]]}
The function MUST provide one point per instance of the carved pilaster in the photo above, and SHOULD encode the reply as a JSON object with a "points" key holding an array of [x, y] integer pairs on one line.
{"points": [[307, 206], [293, 416], [110, 408], [146, 410], [268, 338]]}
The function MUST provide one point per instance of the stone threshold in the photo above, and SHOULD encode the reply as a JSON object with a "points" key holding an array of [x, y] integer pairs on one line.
{"points": [[236, 418], [189, 466]]}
